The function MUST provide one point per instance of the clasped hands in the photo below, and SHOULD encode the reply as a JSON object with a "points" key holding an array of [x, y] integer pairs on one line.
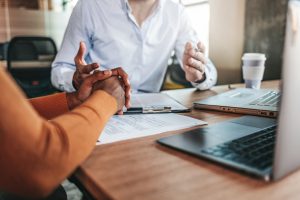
{"points": [[88, 79]]}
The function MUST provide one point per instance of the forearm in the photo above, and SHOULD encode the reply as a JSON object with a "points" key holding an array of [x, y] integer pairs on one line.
{"points": [[50, 106], [43, 152], [70, 139]]}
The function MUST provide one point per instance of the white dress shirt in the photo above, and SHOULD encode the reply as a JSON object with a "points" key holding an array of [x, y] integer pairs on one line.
{"points": [[114, 39]]}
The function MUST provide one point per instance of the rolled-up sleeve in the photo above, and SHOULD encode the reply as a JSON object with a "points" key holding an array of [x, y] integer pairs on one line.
{"points": [[80, 29]]}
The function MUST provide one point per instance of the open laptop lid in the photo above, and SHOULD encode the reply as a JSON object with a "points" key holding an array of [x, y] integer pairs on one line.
{"points": [[287, 148]]}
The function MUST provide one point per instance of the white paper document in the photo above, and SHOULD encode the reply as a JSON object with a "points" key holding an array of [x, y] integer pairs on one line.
{"points": [[125, 127]]}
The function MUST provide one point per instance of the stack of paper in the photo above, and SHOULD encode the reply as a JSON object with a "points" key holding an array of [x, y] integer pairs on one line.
{"points": [[133, 126]]}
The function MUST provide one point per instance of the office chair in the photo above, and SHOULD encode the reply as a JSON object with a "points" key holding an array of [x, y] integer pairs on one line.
{"points": [[29, 62], [175, 76], [3, 50]]}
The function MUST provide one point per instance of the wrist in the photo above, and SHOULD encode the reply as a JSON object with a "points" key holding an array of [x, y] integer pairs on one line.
{"points": [[202, 79], [75, 84], [75, 81], [73, 100]]}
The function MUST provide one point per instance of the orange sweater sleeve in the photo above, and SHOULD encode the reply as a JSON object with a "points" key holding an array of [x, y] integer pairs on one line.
{"points": [[50, 106], [36, 154]]}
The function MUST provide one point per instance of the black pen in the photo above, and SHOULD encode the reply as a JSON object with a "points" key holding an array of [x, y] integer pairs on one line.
{"points": [[149, 109], [134, 110]]}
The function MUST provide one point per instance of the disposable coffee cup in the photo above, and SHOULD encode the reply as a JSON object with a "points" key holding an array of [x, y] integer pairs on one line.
{"points": [[253, 69]]}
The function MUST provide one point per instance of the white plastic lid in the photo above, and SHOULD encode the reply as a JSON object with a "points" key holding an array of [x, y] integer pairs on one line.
{"points": [[254, 56]]}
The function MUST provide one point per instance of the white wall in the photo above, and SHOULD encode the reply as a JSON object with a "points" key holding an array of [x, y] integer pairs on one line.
{"points": [[226, 38], [4, 24], [3, 32], [199, 16]]}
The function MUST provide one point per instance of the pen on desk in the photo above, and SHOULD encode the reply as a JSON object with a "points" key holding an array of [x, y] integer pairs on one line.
{"points": [[149, 109], [134, 110], [157, 109]]}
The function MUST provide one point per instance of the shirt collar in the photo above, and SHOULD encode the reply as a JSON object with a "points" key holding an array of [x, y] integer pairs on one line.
{"points": [[126, 7]]}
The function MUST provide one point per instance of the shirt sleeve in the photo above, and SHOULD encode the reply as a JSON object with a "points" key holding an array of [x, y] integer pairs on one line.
{"points": [[79, 29], [50, 106], [188, 34], [36, 154]]}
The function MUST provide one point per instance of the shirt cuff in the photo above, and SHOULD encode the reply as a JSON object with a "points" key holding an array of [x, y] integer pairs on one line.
{"points": [[67, 81], [207, 83]]}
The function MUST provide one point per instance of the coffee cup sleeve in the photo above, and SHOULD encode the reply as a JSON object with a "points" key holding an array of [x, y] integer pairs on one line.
{"points": [[253, 73]]}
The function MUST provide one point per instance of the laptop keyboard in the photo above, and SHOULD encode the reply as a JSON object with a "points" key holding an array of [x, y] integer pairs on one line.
{"points": [[255, 150], [269, 99]]}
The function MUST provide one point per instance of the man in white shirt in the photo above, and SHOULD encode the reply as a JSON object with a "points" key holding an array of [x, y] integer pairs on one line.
{"points": [[139, 36]]}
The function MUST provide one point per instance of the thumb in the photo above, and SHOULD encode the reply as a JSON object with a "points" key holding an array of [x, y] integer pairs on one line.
{"points": [[188, 46], [79, 59]]}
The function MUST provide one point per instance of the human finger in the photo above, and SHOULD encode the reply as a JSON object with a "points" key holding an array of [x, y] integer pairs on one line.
{"points": [[86, 87], [191, 70], [97, 76], [87, 69], [101, 75], [120, 72], [79, 58], [188, 46], [201, 47], [124, 76], [198, 56], [196, 64], [120, 112]]}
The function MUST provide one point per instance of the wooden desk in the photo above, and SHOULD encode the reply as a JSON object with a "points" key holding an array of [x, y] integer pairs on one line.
{"points": [[142, 169]]}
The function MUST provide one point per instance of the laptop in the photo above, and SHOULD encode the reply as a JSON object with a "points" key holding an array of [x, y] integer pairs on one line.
{"points": [[262, 102], [262, 147]]}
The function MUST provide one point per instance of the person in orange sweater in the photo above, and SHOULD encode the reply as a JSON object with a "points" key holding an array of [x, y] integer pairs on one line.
{"points": [[43, 140]]}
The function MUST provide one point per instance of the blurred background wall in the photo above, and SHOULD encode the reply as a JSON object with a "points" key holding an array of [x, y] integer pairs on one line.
{"points": [[238, 26], [265, 32], [34, 17], [226, 38]]}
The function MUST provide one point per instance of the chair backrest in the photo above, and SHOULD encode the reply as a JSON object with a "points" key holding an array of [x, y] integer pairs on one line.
{"points": [[175, 76], [29, 61], [3, 50]]}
